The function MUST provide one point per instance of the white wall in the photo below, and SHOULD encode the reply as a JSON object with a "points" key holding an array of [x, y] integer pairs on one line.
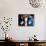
{"points": [[11, 8]]}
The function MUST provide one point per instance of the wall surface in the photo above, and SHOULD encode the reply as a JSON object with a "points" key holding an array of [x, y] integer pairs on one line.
{"points": [[11, 8]]}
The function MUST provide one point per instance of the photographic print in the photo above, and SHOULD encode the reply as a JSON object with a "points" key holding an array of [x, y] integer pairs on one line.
{"points": [[26, 19]]}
